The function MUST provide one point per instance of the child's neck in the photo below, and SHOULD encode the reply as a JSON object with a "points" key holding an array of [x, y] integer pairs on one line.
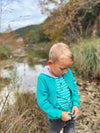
{"points": [[53, 75]]}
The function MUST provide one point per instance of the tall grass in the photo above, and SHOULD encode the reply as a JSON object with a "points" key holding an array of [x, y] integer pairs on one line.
{"points": [[24, 117], [3, 82], [87, 58], [13, 86]]}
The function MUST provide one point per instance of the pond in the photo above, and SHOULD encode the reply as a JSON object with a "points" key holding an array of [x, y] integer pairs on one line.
{"points": [[27, 72]]}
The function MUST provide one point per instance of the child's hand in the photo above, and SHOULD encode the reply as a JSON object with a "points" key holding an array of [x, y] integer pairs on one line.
{"points": [[76, 111], [65, 117]]}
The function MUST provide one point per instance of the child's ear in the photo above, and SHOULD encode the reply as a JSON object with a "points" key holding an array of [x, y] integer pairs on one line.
{"points": [[50, 63]]}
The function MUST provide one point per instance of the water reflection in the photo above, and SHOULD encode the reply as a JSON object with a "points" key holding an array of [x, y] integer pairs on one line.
{"points": [[28, 74]]}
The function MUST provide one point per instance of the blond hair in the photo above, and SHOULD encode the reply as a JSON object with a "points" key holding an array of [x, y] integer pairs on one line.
{"points": [[59, 51]]}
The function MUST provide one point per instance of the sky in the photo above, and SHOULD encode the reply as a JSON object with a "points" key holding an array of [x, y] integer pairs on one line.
{"points": [[19, 13]]}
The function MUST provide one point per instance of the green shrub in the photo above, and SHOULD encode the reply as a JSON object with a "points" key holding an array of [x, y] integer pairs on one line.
{"points": [[37, 52], [5, 51], [87, 57], [31, 56]]}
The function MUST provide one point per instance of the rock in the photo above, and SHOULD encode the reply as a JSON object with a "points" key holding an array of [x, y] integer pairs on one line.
{"points": [[20, 55], [8, 67], [89, 110], [42, 60]]}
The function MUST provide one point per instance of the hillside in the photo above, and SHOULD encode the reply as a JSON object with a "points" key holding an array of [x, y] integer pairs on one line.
{"points": [[25, 30]]}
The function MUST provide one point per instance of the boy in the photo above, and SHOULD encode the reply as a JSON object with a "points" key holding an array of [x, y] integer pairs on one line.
{"points": [[57, 93]]}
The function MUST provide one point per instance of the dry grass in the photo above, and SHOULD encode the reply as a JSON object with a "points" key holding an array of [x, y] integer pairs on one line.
{"points": [[24, 117]]}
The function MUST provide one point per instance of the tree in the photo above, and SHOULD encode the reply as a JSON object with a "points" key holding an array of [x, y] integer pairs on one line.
{"points": [[35, 36], [69, 20]]}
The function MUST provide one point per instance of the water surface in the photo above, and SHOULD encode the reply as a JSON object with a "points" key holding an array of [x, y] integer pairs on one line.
{"points": [[28, 74]]}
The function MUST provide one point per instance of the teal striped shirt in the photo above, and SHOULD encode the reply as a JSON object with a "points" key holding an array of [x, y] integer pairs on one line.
{"points": [[63, 98]]}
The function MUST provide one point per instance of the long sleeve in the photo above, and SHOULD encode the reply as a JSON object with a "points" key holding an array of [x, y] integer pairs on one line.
{"points": [[43, 101]]}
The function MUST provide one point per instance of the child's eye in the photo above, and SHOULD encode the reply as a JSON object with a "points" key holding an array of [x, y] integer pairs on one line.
{"points": [[63, 69]]}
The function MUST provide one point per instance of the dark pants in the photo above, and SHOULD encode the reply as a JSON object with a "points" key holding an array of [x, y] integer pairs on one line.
{"points": [[56, 125]]}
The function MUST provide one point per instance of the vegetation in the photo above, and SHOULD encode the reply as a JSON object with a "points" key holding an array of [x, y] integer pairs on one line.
{"points": [[71, 20], [22, 117], [36, 55], [32, 34], [5, 51], [75, 23], [37, 52], [3, 82], [68, 22], [13, 85], [8, 43], [21, 32], [87, 58]]}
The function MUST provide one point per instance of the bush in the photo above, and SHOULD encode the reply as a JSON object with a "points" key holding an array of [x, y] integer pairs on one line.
{"points": [[87, 58], [5, 51]]}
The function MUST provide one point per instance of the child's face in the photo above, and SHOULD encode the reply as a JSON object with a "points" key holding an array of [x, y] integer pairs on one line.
{"points": [[59, 68]]}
